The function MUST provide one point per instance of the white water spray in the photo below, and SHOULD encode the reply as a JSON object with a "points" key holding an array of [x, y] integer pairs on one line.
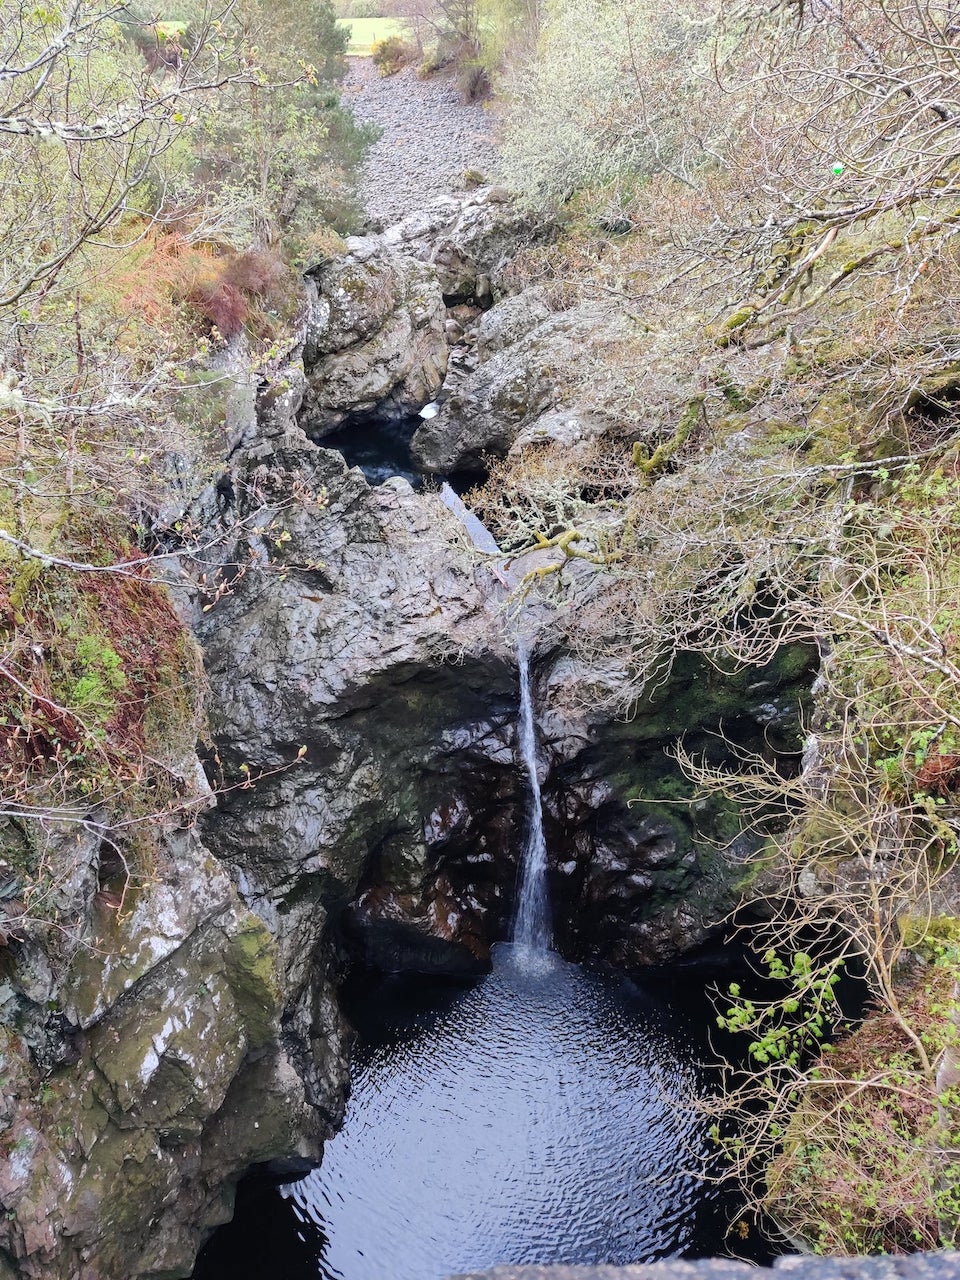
{"points": [[531, 927]]}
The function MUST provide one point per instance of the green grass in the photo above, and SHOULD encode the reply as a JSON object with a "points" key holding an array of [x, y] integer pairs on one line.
{"points": [[363, 32]]}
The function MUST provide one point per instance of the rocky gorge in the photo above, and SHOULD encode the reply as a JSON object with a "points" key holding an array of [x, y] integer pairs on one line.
{"points": [[362, 800], [368, 804]]}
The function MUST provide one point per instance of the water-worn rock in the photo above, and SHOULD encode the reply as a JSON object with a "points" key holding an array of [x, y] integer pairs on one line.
{"points": [[512, 389], [127, 1095], [469, 238], [371, 630], [375, 340], [368, 638]]}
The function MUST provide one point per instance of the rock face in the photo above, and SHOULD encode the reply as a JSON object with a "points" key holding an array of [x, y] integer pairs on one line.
{"points": [[468, 239], [143, 1066], [362, 670], [369, 636], [526, 373], [374, 339], [371, 807]]}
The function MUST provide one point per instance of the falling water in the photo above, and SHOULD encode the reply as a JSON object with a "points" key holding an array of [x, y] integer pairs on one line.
{"points": [[532, 925], [531, 928]]}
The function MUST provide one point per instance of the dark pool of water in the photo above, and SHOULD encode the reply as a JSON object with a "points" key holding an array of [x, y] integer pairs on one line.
{"points": [[381, 449], [545, 1114]]}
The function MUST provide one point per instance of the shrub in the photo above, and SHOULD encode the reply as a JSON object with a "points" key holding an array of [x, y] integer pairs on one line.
{"points": [[607, 96], [473, 81], [221, 303], [434, 60], [390, 54], [259, 272]]}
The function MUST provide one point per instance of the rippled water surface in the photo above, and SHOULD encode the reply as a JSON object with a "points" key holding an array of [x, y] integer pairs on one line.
{"points": [[540, 1116]]}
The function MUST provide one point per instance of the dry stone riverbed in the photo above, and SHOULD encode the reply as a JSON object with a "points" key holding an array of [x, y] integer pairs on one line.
{"points": [[430, 138]]}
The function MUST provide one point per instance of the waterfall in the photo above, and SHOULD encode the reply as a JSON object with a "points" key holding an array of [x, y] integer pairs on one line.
{"points": [[531, 927]]}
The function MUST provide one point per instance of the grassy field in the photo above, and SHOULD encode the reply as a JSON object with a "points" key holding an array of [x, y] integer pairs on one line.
{"points": [[363, 32]]}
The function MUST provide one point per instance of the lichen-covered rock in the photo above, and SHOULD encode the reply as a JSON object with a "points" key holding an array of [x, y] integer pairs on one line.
{"points": [[374, 340], [469, 239], [510, 320], [512, 389], [159, 1080]]}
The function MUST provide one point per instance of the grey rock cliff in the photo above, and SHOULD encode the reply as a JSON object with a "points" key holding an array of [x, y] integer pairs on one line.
{"points": [[374, 339], [142, 1070], [528, 371]]}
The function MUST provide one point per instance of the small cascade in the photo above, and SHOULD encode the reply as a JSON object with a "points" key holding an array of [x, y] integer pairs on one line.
{"points": [[531, 927], [477, 531]]}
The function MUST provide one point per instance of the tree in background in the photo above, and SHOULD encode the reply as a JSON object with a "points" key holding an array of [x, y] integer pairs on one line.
{"points": [[276, 159], [487, 33], [611, 93]]}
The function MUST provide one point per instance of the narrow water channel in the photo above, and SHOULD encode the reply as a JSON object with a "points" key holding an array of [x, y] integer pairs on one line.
{"points": [[544, 1114], [380, 447]]}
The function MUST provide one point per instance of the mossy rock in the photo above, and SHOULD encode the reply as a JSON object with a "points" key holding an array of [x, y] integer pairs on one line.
{"points": [[933, 938], [251, 971]]}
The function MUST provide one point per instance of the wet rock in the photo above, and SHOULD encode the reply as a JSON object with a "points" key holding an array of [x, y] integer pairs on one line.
{"points": [[371, 640], [169, 1017], [392, 935], [369, 643]]}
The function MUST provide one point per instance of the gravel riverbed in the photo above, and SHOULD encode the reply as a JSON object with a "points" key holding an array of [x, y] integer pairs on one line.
{"points": [[430, 137]]}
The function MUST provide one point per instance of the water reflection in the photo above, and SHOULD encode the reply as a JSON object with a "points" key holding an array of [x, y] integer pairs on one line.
{"points": [[542, 1115]]}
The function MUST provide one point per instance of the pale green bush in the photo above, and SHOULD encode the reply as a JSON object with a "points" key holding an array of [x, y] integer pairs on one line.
{"points": [[608, 96]]}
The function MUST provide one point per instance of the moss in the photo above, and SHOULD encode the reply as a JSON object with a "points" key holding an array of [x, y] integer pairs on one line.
{"points": [[690, 418], [932, 937], [251, 970], [837, 425], [729, 330], [861, 1170], [737, 396]]}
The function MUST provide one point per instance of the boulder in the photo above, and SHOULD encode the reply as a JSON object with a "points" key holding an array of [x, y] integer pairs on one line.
{"points": [[150, 1077], [374, 340], [365, 634], [515, 386], [510, 320], [469, 239]]}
